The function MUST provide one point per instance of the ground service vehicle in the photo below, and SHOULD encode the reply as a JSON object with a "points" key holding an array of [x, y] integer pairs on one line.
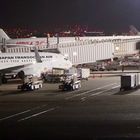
{"points": [[70, 82], [67, 86], [29, 86]]}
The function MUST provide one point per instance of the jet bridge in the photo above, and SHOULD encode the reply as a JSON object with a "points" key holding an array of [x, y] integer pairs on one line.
{"points": [[91, 49]]}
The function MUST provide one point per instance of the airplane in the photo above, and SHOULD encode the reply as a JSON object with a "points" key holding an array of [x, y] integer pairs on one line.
{"points": [[94, 33], [34, 63], [5, 40], [133, 30]]}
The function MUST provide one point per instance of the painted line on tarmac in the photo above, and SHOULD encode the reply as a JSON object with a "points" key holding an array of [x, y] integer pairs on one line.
{"points": [[67, 98], [116, 87], [84, 98], [104, 91], [20, 113], [37, 114], [14, 115]]}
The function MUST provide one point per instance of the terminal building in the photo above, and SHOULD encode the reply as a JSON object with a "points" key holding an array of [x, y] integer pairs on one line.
{"points": [[82, 50]]}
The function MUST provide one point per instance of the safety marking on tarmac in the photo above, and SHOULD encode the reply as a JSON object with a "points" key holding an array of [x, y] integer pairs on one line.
{"points": [[116, 87], [67, 98], [20, 113], [104, 91], [83, 99], [37, 114], [14, 115]]}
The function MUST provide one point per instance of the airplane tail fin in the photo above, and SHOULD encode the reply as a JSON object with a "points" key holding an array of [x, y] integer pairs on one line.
{"points": [[133, 30], [37, 56], [3, 35]]}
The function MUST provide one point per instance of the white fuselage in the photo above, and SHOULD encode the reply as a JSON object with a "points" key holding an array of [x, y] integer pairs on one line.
{"points": [[29, 41], [30, 66]]}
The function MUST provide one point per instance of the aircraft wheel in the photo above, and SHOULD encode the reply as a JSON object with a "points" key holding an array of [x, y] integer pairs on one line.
{"points": [[21, 75]]}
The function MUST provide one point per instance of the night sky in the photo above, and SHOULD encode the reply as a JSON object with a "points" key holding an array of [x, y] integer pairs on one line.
{"points": [[108, 15]]}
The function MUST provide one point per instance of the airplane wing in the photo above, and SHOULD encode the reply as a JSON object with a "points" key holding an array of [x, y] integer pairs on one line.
{"points": [[28, 68], [7, 70]]}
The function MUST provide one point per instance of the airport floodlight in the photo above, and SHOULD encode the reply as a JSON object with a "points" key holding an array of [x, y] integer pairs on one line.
{"points": [[74, 53], [66, 55], [117, 48], [34, 62]]}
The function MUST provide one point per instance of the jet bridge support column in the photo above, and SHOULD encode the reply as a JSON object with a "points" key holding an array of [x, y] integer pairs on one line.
{"points": [[3, 46]]}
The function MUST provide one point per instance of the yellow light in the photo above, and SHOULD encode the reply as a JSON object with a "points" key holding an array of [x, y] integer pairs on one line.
{"points": [[117, 48]]}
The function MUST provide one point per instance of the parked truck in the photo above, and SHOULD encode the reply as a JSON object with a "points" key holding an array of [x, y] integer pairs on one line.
{"points": [[130, 81], [83, 73]]}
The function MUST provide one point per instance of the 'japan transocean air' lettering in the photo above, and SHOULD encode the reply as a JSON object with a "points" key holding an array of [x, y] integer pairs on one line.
{"points": [[22, 57]]}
